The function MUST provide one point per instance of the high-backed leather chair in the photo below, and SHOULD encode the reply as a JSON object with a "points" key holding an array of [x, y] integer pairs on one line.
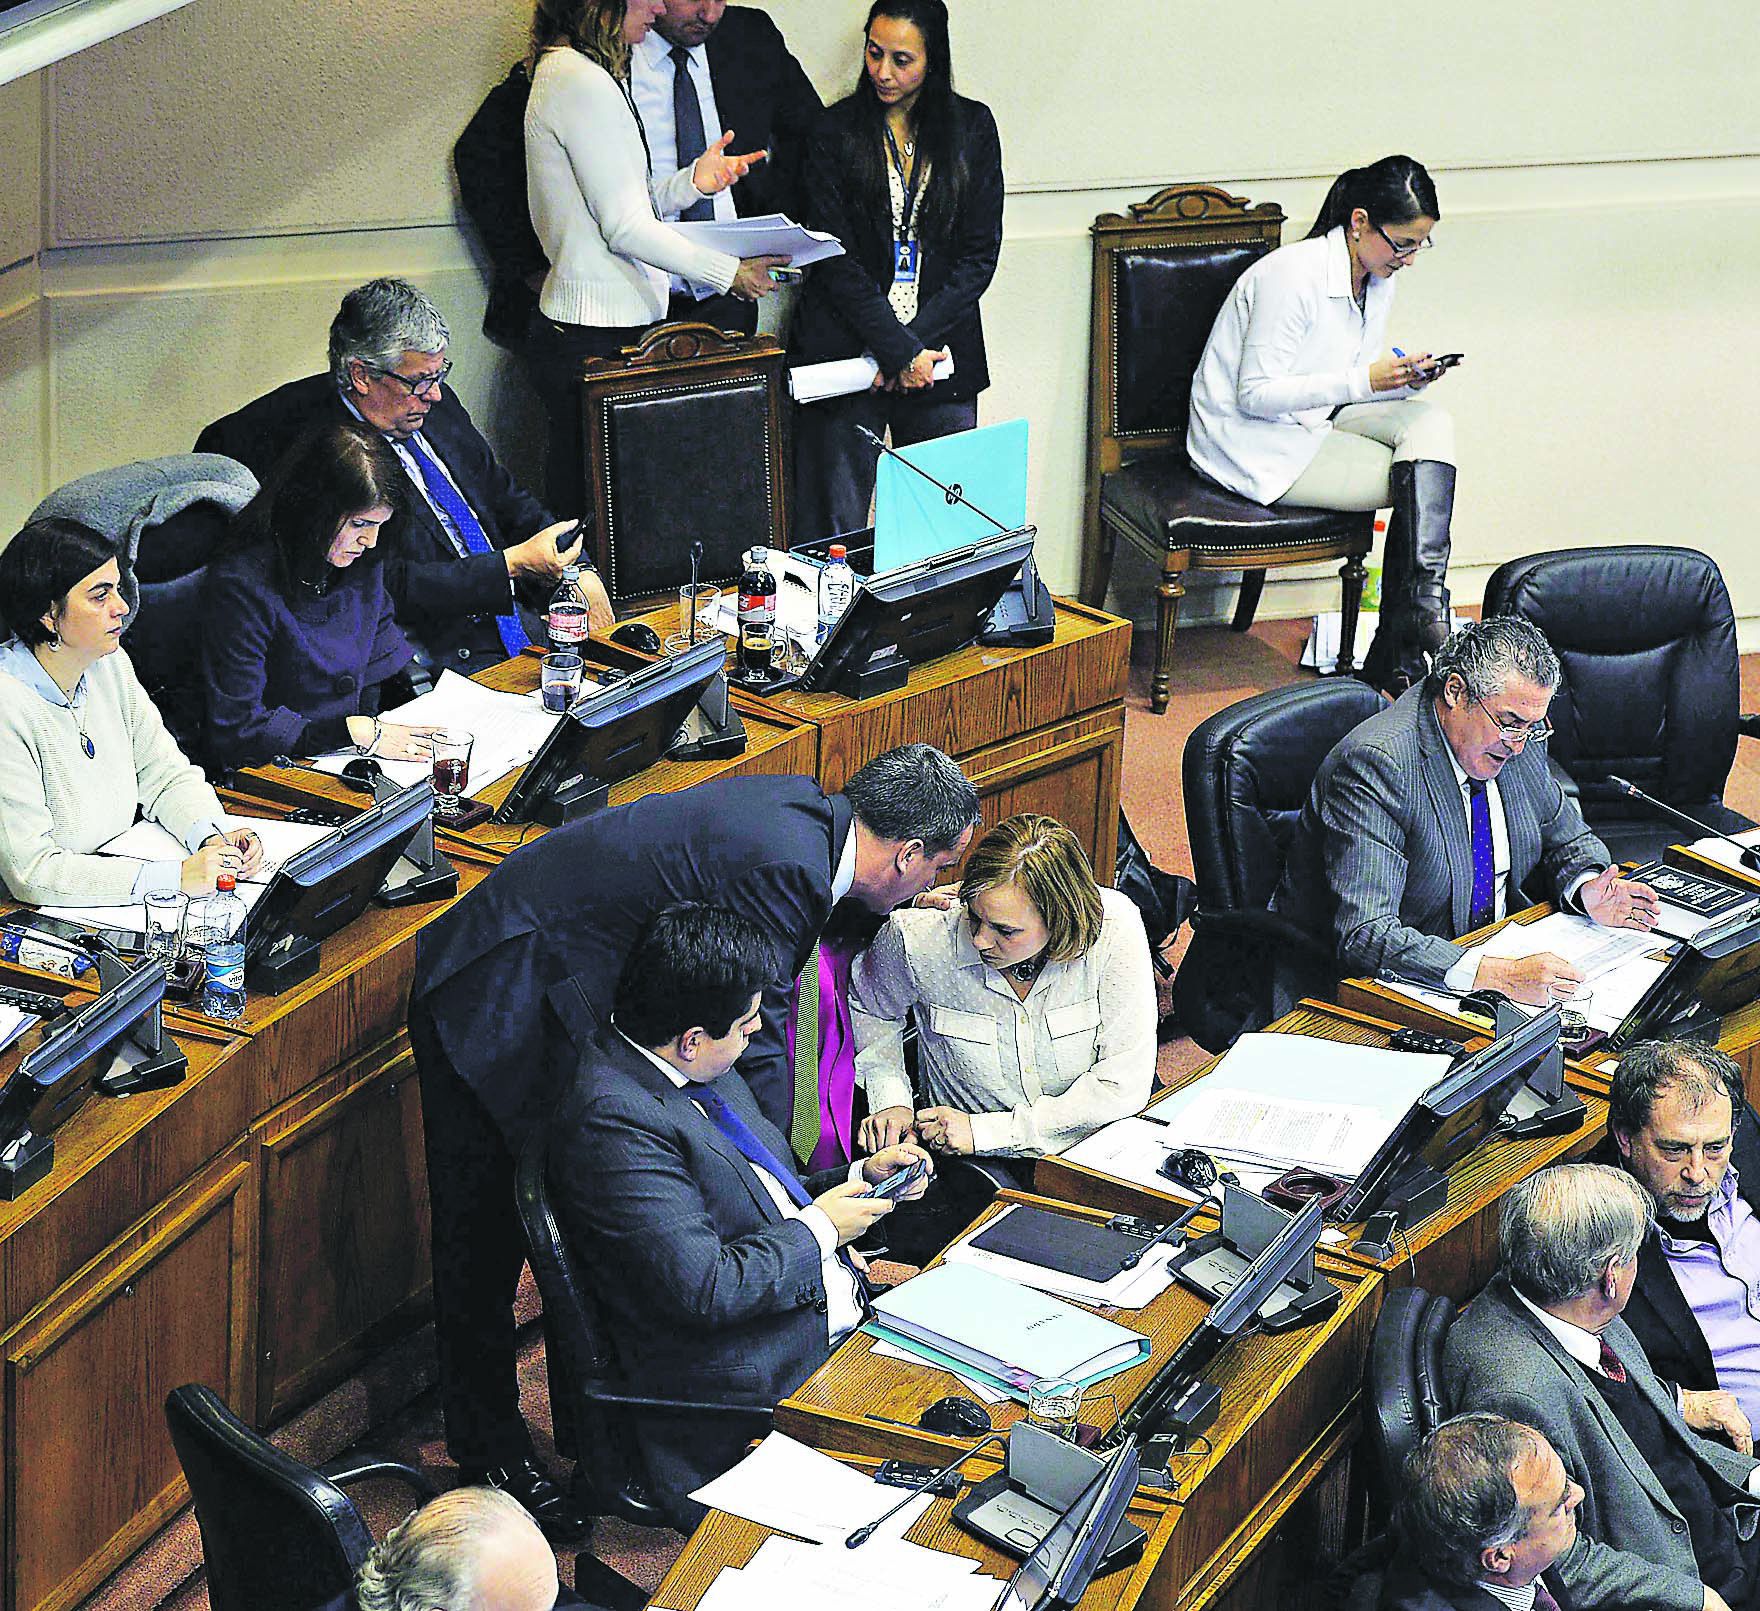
{"points": [[609, 1477], [1161, 274], [1651, 688], [1246, 772], [276, 1535], [1403, 1387], [686, 441]]}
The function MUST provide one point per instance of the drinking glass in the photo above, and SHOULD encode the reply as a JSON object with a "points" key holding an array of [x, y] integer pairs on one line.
{"points": [[695, 606], [1055, 1405], [165, 917], [452, 769], [561, 674], [1574, 1026]]}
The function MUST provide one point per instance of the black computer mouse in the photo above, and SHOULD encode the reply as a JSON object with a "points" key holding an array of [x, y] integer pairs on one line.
{"points": [[955, 1417], [637, 635], [361, 771]]}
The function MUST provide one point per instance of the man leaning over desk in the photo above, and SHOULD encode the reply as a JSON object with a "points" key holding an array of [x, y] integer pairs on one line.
{"points": [[723, 1276], [1439, 815]]}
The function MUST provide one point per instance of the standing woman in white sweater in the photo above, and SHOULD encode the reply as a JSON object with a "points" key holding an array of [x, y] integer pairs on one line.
{"points": [[611, 258], [82, 748]]}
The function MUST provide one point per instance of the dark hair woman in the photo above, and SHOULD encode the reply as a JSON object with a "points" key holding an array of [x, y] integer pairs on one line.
{"points": [[1297, 400], [299, 636], [908, 175], [82, 748]]}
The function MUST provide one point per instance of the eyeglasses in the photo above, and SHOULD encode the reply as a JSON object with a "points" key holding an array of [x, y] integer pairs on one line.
{"points": [[1519, 732], [419, 385], [1408, 248]]}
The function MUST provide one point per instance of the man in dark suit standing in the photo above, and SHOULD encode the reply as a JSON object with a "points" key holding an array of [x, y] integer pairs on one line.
{"points": [[1669, 1517], [516, 980], [472, 558], [1439, 815], [722, 1274], [1679, 1121], [1486, 1507]]}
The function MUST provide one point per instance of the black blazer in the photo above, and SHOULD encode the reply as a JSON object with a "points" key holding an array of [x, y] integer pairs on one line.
{"points": [[1657, 1309], [519, 976], [1408, 1588], [843, 310], [707, 1290], [447, 604]]}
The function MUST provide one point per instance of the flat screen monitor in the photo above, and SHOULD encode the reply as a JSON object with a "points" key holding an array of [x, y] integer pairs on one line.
{"points": [[1061, 1567], [328, 885], [1713, 973], [616, 730], [1456, 1114], [918, 612]]}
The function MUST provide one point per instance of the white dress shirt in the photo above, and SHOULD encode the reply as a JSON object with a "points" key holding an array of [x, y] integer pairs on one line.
{"points": [[1517, 1599], [843, 1298], [650, 82], [1036, 1074]]}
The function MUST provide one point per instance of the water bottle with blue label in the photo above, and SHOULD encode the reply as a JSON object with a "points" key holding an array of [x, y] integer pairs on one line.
{"points": [[837, 586], [217, 936]]}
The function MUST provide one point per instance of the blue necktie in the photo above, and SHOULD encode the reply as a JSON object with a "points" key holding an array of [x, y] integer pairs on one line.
{"points": [[731, 1125], [687, 126], [470, 530], [1484, 902]]}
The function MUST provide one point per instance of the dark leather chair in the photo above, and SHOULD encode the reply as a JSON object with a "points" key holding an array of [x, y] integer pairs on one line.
{"points": [[1160, 277], [1651, 688], [1404, 1400], [276, 1535], [609, 1476], [687, 440], [1246, 772]]}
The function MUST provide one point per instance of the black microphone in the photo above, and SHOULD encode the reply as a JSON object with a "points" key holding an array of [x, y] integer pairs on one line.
{"points": [[862, 1534], [1167, 1232], [1750, 854]]}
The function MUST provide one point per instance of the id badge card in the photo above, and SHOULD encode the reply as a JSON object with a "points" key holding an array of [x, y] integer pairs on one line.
{"points": [[905, 258]]}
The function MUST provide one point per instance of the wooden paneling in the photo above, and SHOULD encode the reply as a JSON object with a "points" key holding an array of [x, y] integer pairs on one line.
{"points": [[93, 1470], [345, 1225]]}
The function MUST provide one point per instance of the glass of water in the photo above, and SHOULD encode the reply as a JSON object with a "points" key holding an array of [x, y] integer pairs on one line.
{"points": [[1055, 1405], [166, 910]]}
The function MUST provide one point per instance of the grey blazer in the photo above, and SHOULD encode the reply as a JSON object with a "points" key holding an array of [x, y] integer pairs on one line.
{"points": [[1498, 1357], [1379, 866]]}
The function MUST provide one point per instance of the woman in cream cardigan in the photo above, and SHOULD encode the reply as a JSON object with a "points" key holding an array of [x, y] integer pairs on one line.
{"points": [[82, 748], [595, 213]]}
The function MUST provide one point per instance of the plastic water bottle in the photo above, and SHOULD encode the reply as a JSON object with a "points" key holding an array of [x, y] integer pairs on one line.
{"points": [[217, 936], [757, 617], [567, 617], [837, 586]]}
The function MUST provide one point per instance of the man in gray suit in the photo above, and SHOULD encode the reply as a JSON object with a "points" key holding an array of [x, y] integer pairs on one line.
{"points": [[1430, 819], [1544, 1345]]}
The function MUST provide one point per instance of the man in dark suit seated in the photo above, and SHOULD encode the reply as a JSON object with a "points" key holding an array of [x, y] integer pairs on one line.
{"points": [[1679, 1121], [514, 981], [723, 1275], [1668, 1517], [1433, 818], [1487, 1506], [472, 558]]}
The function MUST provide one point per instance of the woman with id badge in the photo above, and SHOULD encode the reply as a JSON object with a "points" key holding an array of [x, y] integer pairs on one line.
{"points": [[908, 176]]}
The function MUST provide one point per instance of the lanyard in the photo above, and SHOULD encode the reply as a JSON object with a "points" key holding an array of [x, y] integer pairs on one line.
{"points": [[909, 188]]}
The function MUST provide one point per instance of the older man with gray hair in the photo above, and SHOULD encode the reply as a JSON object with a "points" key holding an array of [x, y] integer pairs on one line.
{"points": [[472, 558], [1439, 815], [1544, 1345]]}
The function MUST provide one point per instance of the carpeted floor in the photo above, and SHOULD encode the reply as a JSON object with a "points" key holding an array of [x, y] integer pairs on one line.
{"points": [[392, 1406]]}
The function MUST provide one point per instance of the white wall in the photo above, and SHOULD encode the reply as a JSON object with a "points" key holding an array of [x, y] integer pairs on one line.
{"points": [[181, 208]]}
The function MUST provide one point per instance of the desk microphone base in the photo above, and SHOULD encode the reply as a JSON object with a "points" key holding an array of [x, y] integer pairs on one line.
{"points": [[409, 883], [23, 1164], [158, 1072], [288, 962]]}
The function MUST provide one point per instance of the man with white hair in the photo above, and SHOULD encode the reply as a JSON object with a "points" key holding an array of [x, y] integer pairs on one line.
{"points": [[1544, 1344]]}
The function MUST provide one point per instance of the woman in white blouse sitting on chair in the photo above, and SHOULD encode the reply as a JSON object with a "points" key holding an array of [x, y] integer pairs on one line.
{"points": [[1034, 1001]]}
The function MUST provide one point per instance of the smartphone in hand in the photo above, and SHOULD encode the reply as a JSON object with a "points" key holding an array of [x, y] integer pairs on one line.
{"points": [[900, 1180]]}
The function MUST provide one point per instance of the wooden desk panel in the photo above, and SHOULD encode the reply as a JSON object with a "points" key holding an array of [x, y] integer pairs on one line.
{"points": [[1455, 1250]]}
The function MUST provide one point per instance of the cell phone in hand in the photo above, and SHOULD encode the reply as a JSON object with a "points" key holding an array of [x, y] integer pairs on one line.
{"points": [[567, 539], [900, 1180], [782, 274], [1443, 361]]}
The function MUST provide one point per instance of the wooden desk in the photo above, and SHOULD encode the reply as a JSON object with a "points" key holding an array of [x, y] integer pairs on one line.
{"points": [[1287, 1414], [1455, 1250]]}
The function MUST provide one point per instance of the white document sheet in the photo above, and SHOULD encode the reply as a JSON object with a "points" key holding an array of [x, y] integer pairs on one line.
{"points": [[1592, 949], [881, 1575], [147, 841], [785, 1485], [1129, 1289], [14, 1023], [844, 377], [1724, 853], [979, 1390], [763, 235]]}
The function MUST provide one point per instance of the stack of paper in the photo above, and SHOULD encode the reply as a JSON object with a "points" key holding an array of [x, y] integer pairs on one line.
{"points": [[1129, 1289], [1619, 965], [786, 1485], [879, 1576], [844, 377], [763, 235]]}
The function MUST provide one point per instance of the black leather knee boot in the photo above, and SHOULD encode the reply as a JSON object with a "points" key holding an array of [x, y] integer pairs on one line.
{"points": [[1414, 619]]}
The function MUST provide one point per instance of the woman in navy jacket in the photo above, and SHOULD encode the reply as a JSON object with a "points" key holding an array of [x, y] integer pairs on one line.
{"points": [[298, 633], [908, 176]]}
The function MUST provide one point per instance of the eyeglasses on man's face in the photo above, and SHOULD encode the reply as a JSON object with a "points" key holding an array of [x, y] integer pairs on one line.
{"points": [[1405, 248], [418, 385], [1516, 731]]}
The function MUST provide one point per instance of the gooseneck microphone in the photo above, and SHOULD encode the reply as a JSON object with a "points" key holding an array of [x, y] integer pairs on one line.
{"points": [[862, 1534], [1750, 854]]}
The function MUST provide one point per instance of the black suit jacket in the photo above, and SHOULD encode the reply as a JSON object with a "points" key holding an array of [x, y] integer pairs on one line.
{"points": [[446, 603], [519, 976], [1408, 1588], [1657, 1310], [708, 1291], [843, 310]]}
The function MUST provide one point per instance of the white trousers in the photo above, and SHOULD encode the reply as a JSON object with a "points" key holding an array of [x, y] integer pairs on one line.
{"points": [[1366, 440]]}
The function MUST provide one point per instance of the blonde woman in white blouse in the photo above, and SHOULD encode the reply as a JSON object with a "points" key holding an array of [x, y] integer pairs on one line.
{"points": [[1034, 1000]]}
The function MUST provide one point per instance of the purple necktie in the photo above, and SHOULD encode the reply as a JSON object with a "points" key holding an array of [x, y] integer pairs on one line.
{"points": [[1484, 903], [687, 124], [1543, 1600]]}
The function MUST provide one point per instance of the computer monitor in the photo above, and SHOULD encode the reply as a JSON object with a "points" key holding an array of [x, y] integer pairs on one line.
{"points": [[612, 733], [1455, 1115], [327, 886], [1066, 1559], [914, 614], [1713, 973]]}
